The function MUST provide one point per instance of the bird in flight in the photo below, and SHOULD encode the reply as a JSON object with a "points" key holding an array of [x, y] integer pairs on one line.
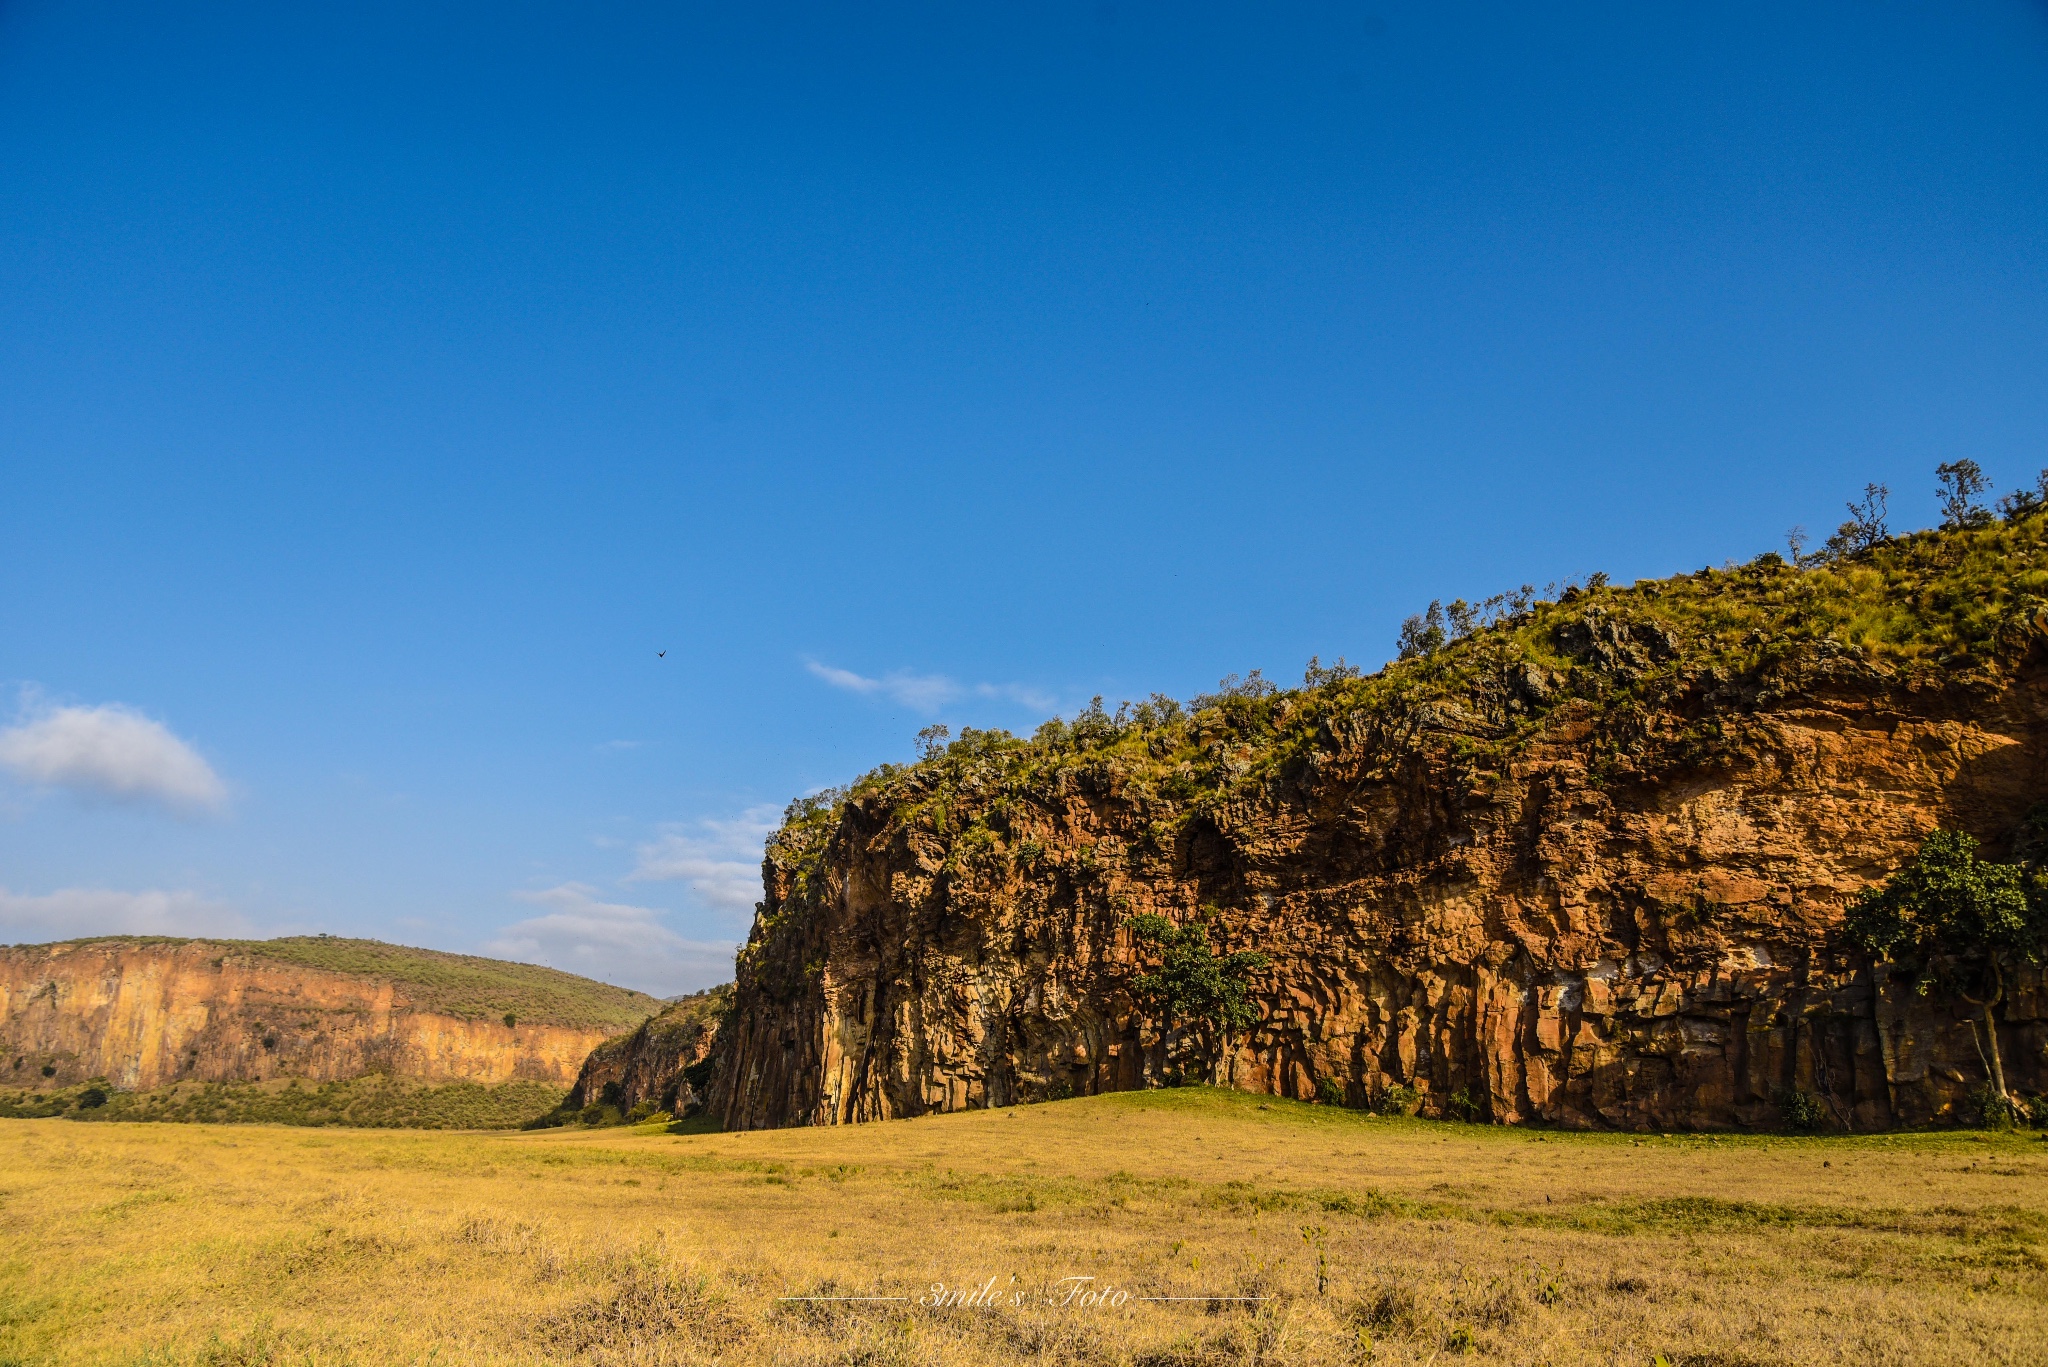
{"points": [[661, 654]]}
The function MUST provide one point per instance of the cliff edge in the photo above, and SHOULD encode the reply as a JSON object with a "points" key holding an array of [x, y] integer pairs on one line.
{"points": [[146, 1012]]}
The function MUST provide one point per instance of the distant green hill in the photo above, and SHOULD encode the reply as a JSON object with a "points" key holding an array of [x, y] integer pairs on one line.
{"points": [[461, 985]]}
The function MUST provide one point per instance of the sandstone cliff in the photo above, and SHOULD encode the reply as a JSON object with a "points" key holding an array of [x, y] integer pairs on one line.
{"points": [[143, 1013], [1581, 866]]}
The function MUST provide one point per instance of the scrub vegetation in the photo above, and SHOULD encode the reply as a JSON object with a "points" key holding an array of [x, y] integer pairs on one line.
{"points": [[370, 1101], [1354, 1239]]}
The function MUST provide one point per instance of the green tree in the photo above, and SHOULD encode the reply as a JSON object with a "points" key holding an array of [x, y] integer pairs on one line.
{"points": [[1319, 675], [1960, 486], [1192, 985], [1865, 530], [2024, 503], [1253, 687], [1962, 923], [1093, 726], [1424, 633]]}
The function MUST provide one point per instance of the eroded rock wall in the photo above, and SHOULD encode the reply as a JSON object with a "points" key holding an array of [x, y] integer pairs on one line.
{"points": [[1626, 923], [145, 1015], [654, 1063]]}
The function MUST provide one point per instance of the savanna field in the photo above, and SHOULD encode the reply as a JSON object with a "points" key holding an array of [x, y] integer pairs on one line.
{"points": [[1350, 1238]]}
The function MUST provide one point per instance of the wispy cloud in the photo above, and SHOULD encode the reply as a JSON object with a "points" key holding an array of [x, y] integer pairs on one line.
{"points": [[719, 860], [927, 693], [918, 692], [1024, 695], [103, 911], [111, 751], [611, 941]]}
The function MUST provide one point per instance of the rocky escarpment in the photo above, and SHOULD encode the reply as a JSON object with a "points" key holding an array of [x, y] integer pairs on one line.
{"points": [[1584, 866], [145, 1013], [663, 1065]]}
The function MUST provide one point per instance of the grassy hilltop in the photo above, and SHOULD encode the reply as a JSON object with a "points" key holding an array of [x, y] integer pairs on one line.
{"points": [[1370, 1240], [1952, 601]]}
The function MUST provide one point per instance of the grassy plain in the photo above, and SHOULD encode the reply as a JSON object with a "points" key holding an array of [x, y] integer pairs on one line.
{"points": [[1375, 1240]]}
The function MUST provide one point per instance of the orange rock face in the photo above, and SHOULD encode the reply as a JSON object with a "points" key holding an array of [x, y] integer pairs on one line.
{"points": [[144, 1015], [1626, 920], [652, 1063]]}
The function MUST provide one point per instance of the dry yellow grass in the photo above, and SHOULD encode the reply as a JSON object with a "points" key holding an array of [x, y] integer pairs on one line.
{"points": [[219, 1245]]}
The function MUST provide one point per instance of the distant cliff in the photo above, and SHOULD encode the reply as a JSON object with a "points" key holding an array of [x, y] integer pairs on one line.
{"points": [[147, 1012], [1579, 861], [663, 1064]]}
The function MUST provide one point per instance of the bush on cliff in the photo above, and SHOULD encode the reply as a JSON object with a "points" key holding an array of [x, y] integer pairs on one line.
{"points": [[1191, 986], [1951, 598], [1962, 924]]}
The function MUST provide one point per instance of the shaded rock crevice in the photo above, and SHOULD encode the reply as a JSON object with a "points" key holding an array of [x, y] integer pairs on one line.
{"points": [[663, 1063]]}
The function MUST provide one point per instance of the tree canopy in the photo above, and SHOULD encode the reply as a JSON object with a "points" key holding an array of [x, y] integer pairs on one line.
{"points": [[1192, 984], [1945, 907], [1960, 921]]}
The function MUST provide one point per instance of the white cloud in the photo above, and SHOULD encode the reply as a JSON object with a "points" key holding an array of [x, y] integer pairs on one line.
{"points": [[612, 942], [720, 860], [114, 752], [843, 678], [927, 693], [72, 912]]}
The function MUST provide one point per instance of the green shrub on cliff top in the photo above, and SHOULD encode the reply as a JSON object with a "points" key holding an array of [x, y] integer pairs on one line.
{"points": [[469, 986]]}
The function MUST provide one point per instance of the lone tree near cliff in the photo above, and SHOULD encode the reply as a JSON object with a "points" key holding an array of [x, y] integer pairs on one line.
{"points": [[1961, 486], [1865, 530], [1962, 923], [1192, 985]]}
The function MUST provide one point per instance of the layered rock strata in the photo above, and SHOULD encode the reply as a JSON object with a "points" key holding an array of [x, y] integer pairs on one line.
{"points": [[144, 1014]]}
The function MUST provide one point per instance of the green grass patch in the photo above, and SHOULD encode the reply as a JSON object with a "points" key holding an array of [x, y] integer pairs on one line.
{"points": [[370, 1102]]}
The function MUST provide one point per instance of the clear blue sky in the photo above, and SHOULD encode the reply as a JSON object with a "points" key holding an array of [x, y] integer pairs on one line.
{"points": [[381, 388]]}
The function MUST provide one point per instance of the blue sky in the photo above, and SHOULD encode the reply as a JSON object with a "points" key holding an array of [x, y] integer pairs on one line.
{"points": [[381, 388]]}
